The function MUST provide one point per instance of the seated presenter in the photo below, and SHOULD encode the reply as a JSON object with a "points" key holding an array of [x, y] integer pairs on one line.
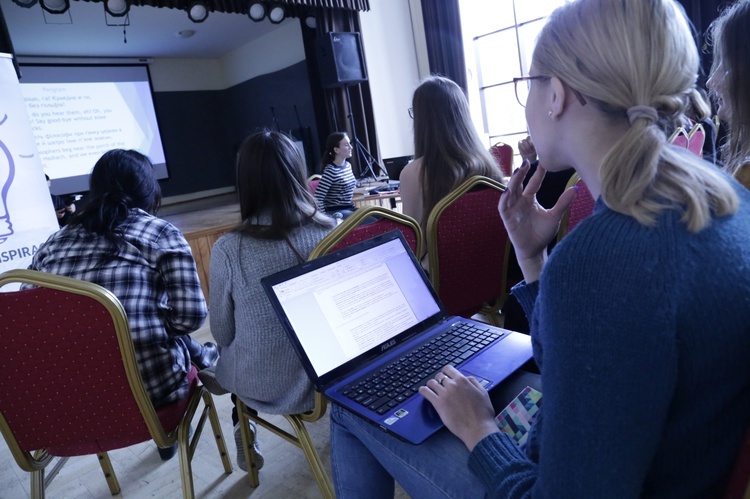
{"points": [[117, 242], [336, 188], [280, 226]]}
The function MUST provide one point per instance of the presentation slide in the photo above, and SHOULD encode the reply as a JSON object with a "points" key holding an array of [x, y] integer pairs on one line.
{"points": [[79, 112]]}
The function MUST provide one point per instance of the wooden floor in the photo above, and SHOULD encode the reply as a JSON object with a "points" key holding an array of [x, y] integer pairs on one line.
{"points": [[142, 474]]}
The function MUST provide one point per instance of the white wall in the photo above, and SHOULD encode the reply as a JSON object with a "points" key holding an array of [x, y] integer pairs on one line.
{"points": [[279, 49], [176, 75], [388, 41]]}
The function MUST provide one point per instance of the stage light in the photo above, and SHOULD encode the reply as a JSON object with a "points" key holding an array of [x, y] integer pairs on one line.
{"points": [[55, 6], [25, 3], [257, 11], [116, 8], [277, 14], [197, 11], [311, 22]]}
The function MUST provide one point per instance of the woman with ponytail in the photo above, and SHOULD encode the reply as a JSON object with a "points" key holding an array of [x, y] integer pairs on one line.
{"points": [[117, 242], [639, 317]]}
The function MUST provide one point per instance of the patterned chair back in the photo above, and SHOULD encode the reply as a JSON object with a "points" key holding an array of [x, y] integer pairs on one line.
{"points": [[468, 248], [503, 154], [581, 207]]}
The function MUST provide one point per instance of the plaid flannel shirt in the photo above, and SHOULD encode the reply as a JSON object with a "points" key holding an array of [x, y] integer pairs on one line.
{"points": [[153, 275]]}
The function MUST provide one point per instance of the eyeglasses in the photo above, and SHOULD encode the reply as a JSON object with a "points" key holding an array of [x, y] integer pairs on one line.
{"points": [[411, 112], [523, 86]]}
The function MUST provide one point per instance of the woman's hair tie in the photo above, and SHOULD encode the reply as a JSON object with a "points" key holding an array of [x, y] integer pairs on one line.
{"points": [[646, 112]]}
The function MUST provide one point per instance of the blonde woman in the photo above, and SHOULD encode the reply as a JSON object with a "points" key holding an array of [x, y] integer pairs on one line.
{"points": [[639, 318]]}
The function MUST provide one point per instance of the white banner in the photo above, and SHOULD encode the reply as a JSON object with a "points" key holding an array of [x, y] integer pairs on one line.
{"points": [[27, 217]]}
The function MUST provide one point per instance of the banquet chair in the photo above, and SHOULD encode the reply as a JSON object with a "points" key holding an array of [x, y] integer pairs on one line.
{"points": [[739, 482], [696, 139], [468, 249], [366, 223], [300, 437], [503, 154], [312, 183], [679, 138], [76, 388], [581, 207]]}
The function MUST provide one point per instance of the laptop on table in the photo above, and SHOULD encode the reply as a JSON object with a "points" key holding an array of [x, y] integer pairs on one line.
{"points": [[370, 329]]}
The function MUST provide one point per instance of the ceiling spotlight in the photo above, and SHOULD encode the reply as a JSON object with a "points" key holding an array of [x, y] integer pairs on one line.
{"points": [[277, 14], [197, 11], [257, 11], [25, 3], [311, 22], [116, 8], [55, 6]]}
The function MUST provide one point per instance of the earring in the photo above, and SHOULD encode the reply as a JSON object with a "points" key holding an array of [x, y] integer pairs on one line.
{"points": [[550, 114]]}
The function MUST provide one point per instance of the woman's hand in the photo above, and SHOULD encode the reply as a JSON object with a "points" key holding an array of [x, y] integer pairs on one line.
{"points": [[530, 226], [462, 404], [527, 149]]}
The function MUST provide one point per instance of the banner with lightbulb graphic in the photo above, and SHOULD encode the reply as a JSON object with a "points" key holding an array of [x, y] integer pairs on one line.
{"points": [[27, 216]]}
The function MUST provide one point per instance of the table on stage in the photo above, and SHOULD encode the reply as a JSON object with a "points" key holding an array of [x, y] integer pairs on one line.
{"points": [[362, 196]]}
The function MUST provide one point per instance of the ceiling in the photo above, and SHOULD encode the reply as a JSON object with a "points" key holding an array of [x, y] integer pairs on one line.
{"points": [[153, 32]]}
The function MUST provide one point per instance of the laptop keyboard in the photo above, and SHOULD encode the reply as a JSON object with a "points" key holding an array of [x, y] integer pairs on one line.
{"points": [[387, 388]]}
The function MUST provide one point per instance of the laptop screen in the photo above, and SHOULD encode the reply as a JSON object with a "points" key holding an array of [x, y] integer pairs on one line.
{"points": [[351, 305]]}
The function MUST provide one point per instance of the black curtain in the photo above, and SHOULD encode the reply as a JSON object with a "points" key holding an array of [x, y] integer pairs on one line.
{"points": [[445, 48], [332, 105]]}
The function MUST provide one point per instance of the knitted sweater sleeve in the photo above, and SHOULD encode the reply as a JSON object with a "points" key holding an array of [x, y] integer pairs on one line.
{"points": [[220, 291], [603, 328]]}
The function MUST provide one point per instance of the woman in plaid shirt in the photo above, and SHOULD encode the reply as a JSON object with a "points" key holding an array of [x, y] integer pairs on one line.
{"points": [[116, 242]]}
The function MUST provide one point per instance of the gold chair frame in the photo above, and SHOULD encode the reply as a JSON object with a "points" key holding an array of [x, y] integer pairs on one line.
{"points": [[355, 219], [36, 464], [489, 309], [300, 438], [677, 132]]}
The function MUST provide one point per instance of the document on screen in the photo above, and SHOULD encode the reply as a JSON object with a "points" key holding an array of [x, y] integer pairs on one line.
{"points": [[366, 311]]}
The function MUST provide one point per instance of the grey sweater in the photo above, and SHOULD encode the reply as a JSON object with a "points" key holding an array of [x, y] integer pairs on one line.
{"points": [[257, 361]]}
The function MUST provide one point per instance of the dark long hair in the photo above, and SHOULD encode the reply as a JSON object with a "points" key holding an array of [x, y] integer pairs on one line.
{"points": [[120, 181], [272, 182], [329, 154], [446, 140]]}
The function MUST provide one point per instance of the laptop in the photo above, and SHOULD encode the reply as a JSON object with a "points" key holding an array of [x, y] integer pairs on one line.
{"points": [[394, 166], [360, 317]]}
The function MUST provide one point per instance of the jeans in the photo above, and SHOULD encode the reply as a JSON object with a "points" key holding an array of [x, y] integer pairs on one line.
{"points": [[365, 460]]}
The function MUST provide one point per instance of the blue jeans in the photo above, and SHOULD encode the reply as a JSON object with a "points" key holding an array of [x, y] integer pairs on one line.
{"points": [[365, 461]]}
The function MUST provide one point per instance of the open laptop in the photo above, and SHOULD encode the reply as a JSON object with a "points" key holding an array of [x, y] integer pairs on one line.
{"points": [[354, 314]]}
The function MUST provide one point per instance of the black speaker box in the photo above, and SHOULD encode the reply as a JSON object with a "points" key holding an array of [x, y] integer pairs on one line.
{"points": [[340, 59]]}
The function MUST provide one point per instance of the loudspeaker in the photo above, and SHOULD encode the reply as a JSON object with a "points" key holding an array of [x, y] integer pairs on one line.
{"points": [[340, 59]]}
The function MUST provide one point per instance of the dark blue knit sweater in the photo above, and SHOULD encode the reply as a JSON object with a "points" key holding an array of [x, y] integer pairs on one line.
{"points": [[642, 335]]}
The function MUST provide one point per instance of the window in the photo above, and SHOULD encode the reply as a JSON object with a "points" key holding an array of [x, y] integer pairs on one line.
{"points": [[499, 37]]}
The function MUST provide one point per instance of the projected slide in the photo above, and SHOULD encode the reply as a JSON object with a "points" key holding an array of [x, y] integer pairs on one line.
{"points": [[78, 113], [74, 124]]}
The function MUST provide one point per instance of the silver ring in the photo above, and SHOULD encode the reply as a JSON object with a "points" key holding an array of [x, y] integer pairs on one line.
{"points": [[440, 381]]}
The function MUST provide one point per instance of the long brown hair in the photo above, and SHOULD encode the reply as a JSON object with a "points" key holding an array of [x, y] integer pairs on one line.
{"points": [[730, 33], [446, 140], [271, 182], [332, 142]]}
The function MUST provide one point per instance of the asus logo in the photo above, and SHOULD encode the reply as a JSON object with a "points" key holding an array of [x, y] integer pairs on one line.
{"points": [[386, 346]]}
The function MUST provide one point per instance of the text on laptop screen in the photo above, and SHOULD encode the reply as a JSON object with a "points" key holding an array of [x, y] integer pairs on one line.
{"points": [[344, 309]]}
